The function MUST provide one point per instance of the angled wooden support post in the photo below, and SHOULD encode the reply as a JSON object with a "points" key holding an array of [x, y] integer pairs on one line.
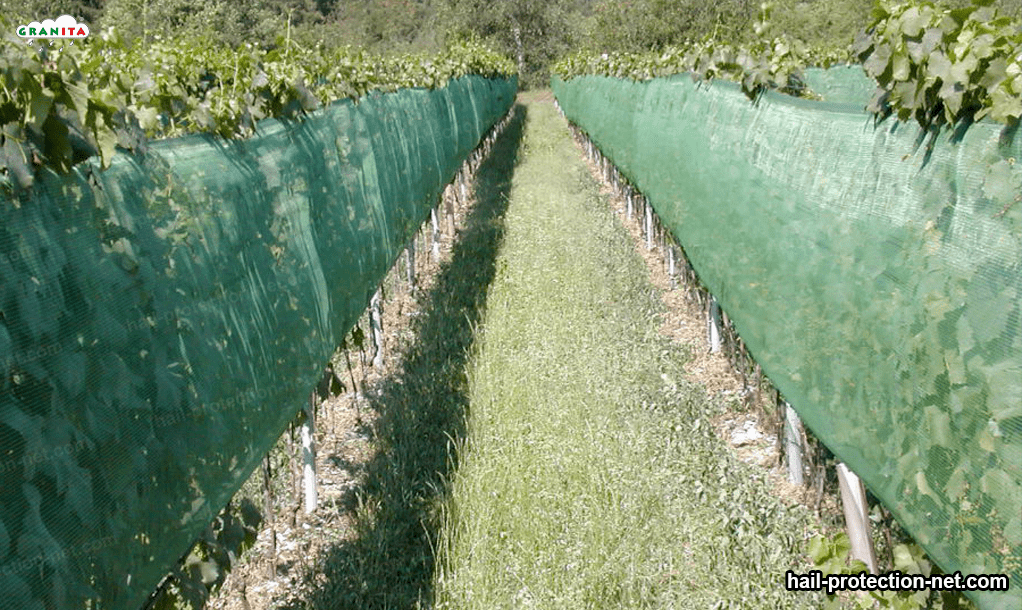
{"points": [[853, 500]]}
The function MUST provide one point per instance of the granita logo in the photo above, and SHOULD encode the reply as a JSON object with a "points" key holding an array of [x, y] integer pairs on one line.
{"points": [[64, 26]]}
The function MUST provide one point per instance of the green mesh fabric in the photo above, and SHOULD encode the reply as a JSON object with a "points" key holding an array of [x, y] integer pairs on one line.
{"points": [[841, 84], [877, 282], [163, 320]]}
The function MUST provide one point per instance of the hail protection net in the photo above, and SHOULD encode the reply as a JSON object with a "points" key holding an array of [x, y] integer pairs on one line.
{"points": [[876, 280], [163, 320], [841, 84]]}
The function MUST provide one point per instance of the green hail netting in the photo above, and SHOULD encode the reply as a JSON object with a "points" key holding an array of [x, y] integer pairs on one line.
{"points": [[164, 320], [841, 84], [877, 283]]}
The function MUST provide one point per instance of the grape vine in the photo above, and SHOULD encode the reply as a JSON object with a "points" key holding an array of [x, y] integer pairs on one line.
{"points": [[939, 66], [768, 63], [943, 67], [61, 104]]}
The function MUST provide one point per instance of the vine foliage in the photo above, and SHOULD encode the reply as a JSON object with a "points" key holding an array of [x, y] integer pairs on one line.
{"points": [[943, 67], [61, 104], [771, 62]]}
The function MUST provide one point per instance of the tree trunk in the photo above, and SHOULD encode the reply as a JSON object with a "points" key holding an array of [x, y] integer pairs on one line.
{"points": [[519, 48]]}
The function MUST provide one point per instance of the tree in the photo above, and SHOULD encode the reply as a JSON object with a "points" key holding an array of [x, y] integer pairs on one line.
{"points": [[641, 25], [87, 11], [536, 31], [222, 21]]}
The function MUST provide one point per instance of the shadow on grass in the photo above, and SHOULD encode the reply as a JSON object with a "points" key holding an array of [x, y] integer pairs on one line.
{"points": [[389, 563]]}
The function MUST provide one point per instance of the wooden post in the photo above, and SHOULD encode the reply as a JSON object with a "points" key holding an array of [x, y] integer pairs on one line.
{"points": [[376, 327], [309, 456], [295, 468], [853, 500], [268, 510], [670, 266], [649, 226], [435, 235], [793, 445], [449, 200], [356, 395], [410, 251], [713, 323]]}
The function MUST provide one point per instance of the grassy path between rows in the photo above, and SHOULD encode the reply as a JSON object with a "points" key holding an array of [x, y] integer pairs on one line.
{"points": [[588, 475]]}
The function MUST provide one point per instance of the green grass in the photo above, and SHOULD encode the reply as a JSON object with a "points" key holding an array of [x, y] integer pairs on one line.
{"points": [[588, 475]]}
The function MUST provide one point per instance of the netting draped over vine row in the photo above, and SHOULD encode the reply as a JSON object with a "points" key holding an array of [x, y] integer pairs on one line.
{"points": [[877, 282], [162, 321], [841, 84]]}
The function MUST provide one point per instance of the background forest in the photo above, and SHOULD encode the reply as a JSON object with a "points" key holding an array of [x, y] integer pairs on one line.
{"points": [[534, 32]]}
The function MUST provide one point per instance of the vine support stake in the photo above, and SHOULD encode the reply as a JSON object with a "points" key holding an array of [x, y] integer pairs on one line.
{"points": [[853, 501], [793, 432], [449, 201], [713, 325], [435, 235], [671, 266], [356, 395], [268, 510], [309, 456], [376, 326], [649, 226], [410, 251]]}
